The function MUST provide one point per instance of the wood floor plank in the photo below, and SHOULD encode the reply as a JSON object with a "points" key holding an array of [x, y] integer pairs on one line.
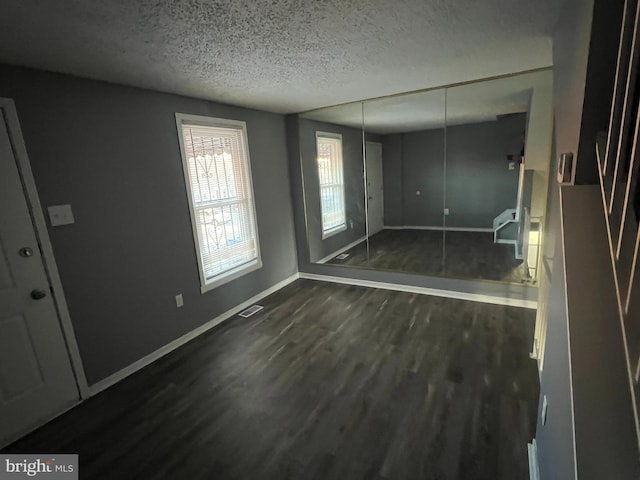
{"points": [[327, 382], [472, 255]]}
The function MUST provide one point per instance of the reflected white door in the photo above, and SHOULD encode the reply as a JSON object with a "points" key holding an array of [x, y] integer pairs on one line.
{"points": [[36, 378], [374, 187]]}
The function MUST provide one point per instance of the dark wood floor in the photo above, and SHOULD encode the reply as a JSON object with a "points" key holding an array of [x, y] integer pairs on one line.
{"points": [[467, 255], [327, 382]]}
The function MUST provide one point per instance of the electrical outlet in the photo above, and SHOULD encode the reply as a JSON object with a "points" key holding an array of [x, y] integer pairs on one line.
{"points": [[179, 300]]}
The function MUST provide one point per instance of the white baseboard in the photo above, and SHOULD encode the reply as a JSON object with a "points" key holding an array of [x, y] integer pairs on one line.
{"points": [[343, 249], [162, 351], [534, 468], [440, 228], [475, 297]]}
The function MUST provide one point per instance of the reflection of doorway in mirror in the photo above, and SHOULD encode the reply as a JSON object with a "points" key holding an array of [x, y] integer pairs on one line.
{"points": [[374, 187]]}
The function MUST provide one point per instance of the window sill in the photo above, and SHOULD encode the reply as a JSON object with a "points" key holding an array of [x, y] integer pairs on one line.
{"points": [[331, 233], [231, 275]]}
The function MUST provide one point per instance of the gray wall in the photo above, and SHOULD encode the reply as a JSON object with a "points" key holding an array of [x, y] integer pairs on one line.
{"points": [[555, 439], [353, 166], [585, 375], [570, 55], [479, 184], [297, 190], [422, 171], [633, 329], [601, 393], [585, 49], [392, 180], [603, 54], [112, 153]]}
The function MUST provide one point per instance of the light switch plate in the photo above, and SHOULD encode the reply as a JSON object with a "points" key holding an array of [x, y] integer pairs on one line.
{"points": [[446, 211], [545, 406], [60, 215], [179, 300]]}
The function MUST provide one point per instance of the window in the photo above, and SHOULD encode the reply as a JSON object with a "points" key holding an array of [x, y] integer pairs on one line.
{"points": [[331, 177], [215, 156]]}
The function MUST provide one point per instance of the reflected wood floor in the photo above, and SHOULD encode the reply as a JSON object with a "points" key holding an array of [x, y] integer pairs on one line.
{"points": [[327, 382], [471, 255]]}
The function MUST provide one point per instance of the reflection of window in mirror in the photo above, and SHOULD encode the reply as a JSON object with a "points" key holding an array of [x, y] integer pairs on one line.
{"points": [[331, 177]]}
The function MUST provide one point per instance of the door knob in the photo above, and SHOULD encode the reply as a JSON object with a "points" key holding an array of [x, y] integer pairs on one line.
{"points": [[26, 252], [38, 294]]}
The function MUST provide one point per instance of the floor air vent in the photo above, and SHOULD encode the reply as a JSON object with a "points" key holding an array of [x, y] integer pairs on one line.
{"points": [[251, 310], [342, 256]]}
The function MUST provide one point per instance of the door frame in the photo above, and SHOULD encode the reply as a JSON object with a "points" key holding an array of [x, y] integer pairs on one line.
{"points": [[381, 183], [8, 110]]}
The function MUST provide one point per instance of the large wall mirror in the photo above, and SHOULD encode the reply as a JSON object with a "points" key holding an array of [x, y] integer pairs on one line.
{"points": [[447, 182], [333, 171], [404, 171]]}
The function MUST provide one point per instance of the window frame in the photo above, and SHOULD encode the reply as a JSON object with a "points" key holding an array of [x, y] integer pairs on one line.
{"points": [[343, 227], [235, 272]]}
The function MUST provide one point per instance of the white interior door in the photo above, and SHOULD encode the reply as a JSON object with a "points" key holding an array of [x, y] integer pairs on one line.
{"points": [[375, 210], [36, 377]]}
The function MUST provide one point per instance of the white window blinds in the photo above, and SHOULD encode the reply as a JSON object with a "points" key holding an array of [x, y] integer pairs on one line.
{"points": [[331, 177], [217, 172]]}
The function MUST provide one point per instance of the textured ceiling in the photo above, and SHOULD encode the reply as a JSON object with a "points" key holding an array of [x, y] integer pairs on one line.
{"points": [[475, 102], [279, 55]]}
